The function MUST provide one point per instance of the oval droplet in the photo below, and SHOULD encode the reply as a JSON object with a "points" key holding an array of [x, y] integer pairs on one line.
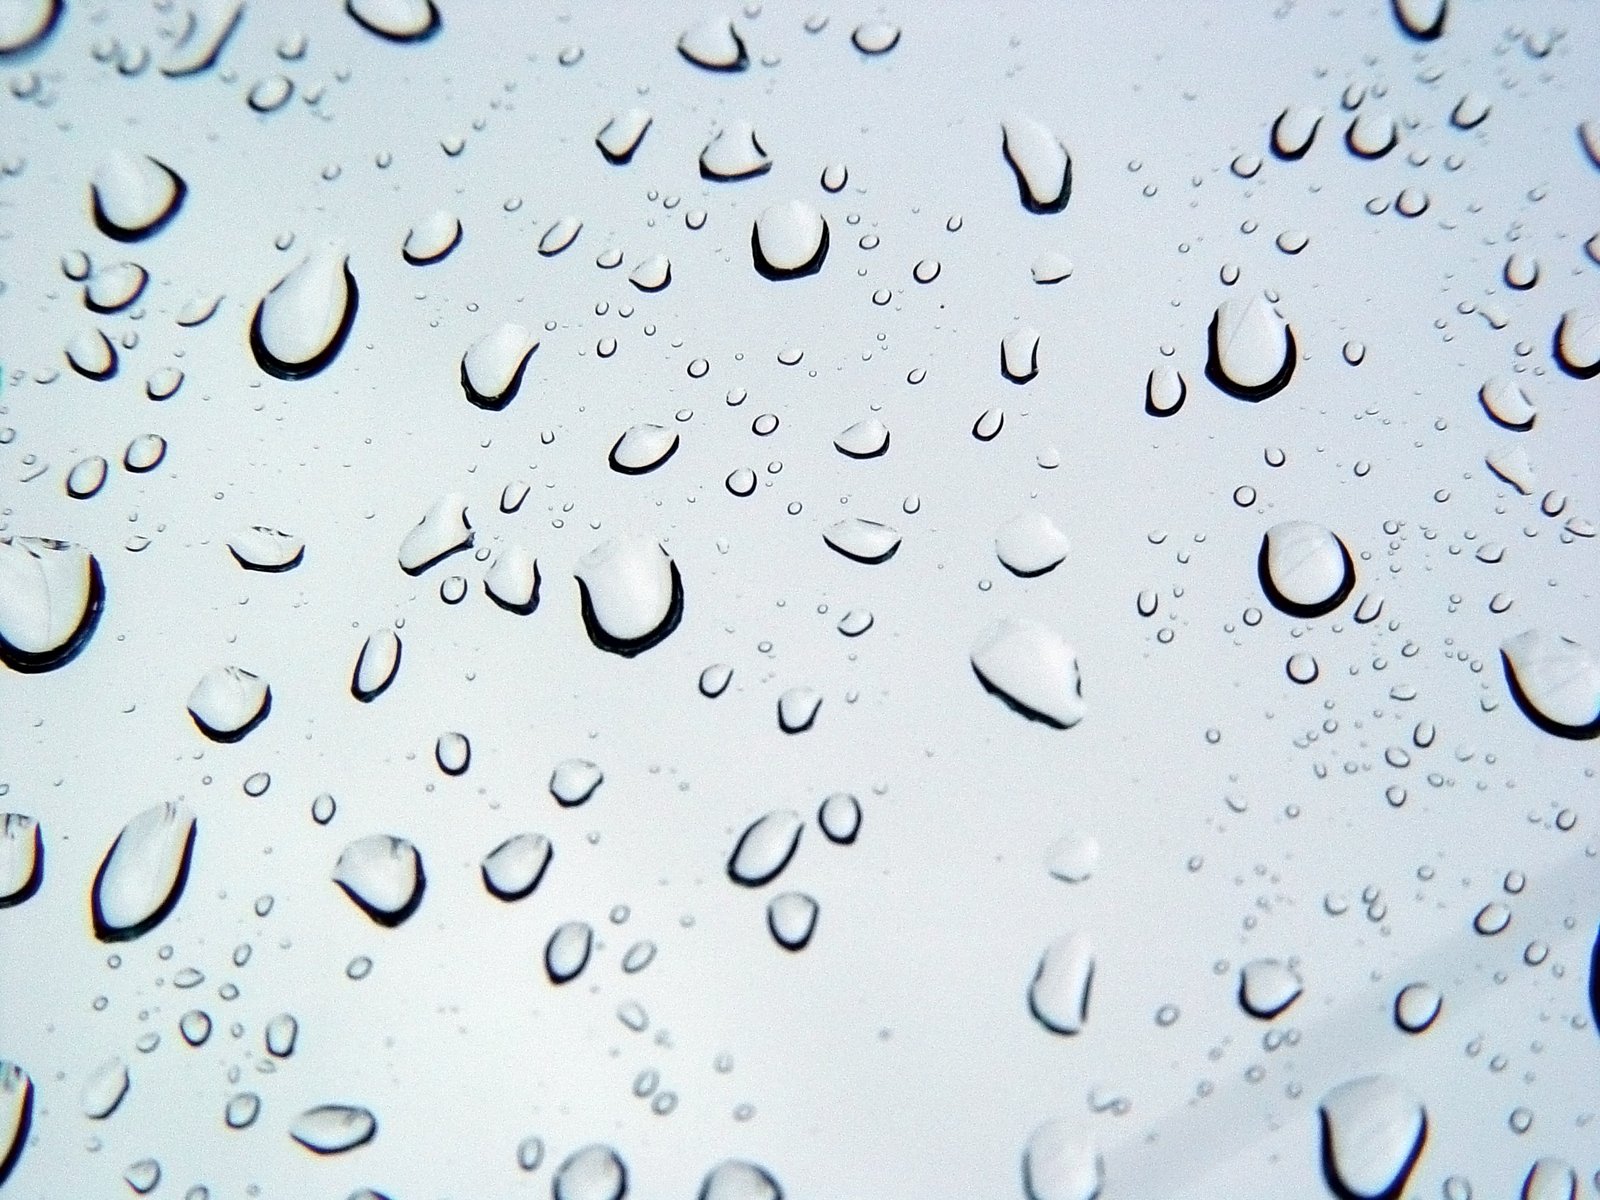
{"points": [[792, 919], [51, 596], [334, 1128], [1062, 1162], [281, 1034], [86, 477], [714, 680], [1422, 20], [301, 324], [229, 702], [261, 548], [1372, 134], [840, 818], [789, 241], [111, 289], [383, 875], [376, 665], [514, 868], [432, 239], [765, 848], [1042, 165], [862, 540], [567, 952], [1305, 569], [642, 449], [631, 593], [142, 876], [1373, 1129], [1059, 994], [1252, 349], [91, 354], [492, 367], [453, 753], [396, 20], [652, 274], [1164, 392], [1032, 669]]}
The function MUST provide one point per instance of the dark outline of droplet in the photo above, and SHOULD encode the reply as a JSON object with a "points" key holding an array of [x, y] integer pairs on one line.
{"points": [[98, 376], [1263, 391], [24, 1126], [390, 920], [1572, 369], [89, 303], [323, 358], [127, 933], [1316, 672], [210, 59], [29, 888], [811, 718], [434, 25], [420, 260], [33, 663], [1149, 406], [700, 683], [741, 63], [854, 833], [1291, 153], [629, 647], [133, 470], [1392, 1192], [118, 233], [265, 110], [216, 303], [1033, 364], [870, 560], [1017, 706], [778, 274], [1572, 733], [1594, 990], [873, 53], [1020, 574], [512, 897], [227, 739], [997, 428], [576, 800], [1438, 1007], [523, 609], [795, 947], [1306, 611], [497, 402], [652, 288], [550, 971], [57, 7], [1083, 1011], [1483, 399], [758, 170], [623, 159], [621, 469], [269, 568], [1429, 33], [1456, 120], [1349, 142], [859, 456], [371, 1133], [1521, 287], [1264, 1014], [822, 182], [705, 1186], [1028, 202], [439, 745], [367, 697], [794, 845]]}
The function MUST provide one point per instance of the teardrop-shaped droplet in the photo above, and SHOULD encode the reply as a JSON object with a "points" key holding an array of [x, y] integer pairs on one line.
{"points": [[376, 665], [86, 478], [432, 239], [736, 1180], [104, 1089], [1059, 993], [574, 781], [989, 424], [443, 530], [301, 324], [1062, 1162], [1550, 1179], [1252, 349], [492, 367], [567, 952], [334, 1128], [714, 680], [840, 818], [1030, 544], [562, 233], [715, 45], [111, 289], [1555, 682], [1019, 354], [653, 274], [134, 196], [792, 919], [863, 540], [261, 548], [1305, 569], [91, 354], [1372, 134], [229, 702], [1030, 667], [1511, 464], [1267, 987], [789, 241], [867, 438], [1164, 392], [765, 848], [1421, 19], [141, 878], [797, 709], [1577, 342], [514, 868], [621, 135], [643, 448], [592, 1173], [51, 595], [1505, 401], [1294, 131], [734, 153], [21, 858], [16, 1106], [396, 20], [1373, 1129], [631, 593], [384, 876], [513, 581], [1041, 163], [1416, 1007]]}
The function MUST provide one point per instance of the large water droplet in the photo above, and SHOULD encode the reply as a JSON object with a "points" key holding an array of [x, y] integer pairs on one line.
{"points": [[1304, 569], [91, 354], [1372, 1134], [1372, 134], [643, 448], [300, 325], [1550, 1179], [1041, 162], [229, 702], [21, 858], [111, 289], [141, 878], [1577, 342], [737, 1180], [51, 595], [443, 530], [863, 540], [1294, 131], [1555, 682], [261, 548], [789, 241], [513, 581], [492, 367], [396, 20], [840, 818], [376, 665], [1059, 993], [1062, 1162], [431, 239], [1505, 401], [715, 45], [1267, 987], [1421, 19], [765, 848], [334, 1128], [134, 196], [16, 1107], [104, 1089], [562, 233], [792, 919], [653, 274], [1030, 545], [514, 868], [621, 135], [384, 876], [1252, 349], [734, 153], [592, 1173], [567, 952], [867, 438], [1030, 667]]}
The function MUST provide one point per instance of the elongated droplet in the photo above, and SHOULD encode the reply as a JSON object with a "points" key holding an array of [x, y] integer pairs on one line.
{"points": [[86, 478], [715, 45], [567, 952], [91, 354], [1505, 401], [574, 781], [1422, 20], [301, 324], [1305, 569], [1294, 131], [443, 530], [453, 753], [376, 665], [642, 449], [621, 135], [1041, 163], [396, 20], [514, 868], [432, 239], [492, 367], [1252, 349], [51, 595], [280, 1035], [863, 540], [867, 438], [141, 878], [1373, 1129], [261, 548], [734, 153], [1267, 987], [1019, 354], [16, 1115], [134, 196], [334, 1128], [1164, 392], [797, 709], [789, 241], [513, 581], [561, 234], [1062, 1162], [737, 1180], [1577, 342], [21, 858], [1470, 111], [632, 596], [592, 1173], [104, 1089], [229, 702], [1030, 545], [384, 876], [1555, 682], [1030, 667], [792, 919], [1059, 994]]}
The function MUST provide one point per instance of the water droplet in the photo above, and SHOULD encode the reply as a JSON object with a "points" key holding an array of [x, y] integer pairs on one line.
{"points": [[1041, 162], [1373, 1129], [632, 595], [867, 438], [1550, 1179], [1019, 354], [1422, 20], [229, 702], [530, 1153], [432, 239], [1555, 681], [376, 665], [1062, 1162], [862, 540], [1030, 545], [1267, 987], [567, 952], [1577, 342], [383, 876], [652, 274], [1416, 1007], [1030, 667], [1372, 134], [1051, 267], [453, 753], [134, 196], [143, 1176], [195, 1027], [561, 234], [734, 153], [792, 919], [242, 1110], [443, 530], [1164, 392], [1059, 993], [514, 868], [926, 270], [1304, 569], [1505, 401], [1294, 131], [91, 354], [513, 581], [1470, 111], [260, 548], [797, 709], [86, 478], [875, 37], [714, 680], [51, 596], [741, 481], [839, 817], [834, 177], [281, 1033], [334, 1128], [104, 1089], [142, 876], [270, 93], [765, 848], [144, 453], [789, 241], [492, 367], [1302, 668], [396, 20], [112, 289], [715, 45], [621, 135], [1073, 857], [301, 324], [1252, 349], [737, 1180], [642, 449]]}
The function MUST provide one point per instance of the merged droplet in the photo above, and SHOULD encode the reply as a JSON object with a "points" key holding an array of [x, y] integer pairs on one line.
{"points": [[229, 702], [262, 548], [104, 1089], [383, 875], [301, 324], [592, 1173], [513, 581], [643, 448], [492, 367], [715, 45], [514, 868], [141, 878], [792, 919], [396, 20], [1030, 545], [1577, 342], [1062, 1162], [1041, 162], [567, 952], [621, 135], [21, 858], [1373, 1129], [734, 153], [1059, 993], [51, 595], [737, 1180], [1505, 401], [1267, 987], [1252, 349], [432, 239], [1033, 669], [765, 848], [632, 595], [789, 241], [16, 1112], [443, 530], [334, 1128], [1555, 682], [376, 665], [134, 196], [1305, 569], [863, 540]]}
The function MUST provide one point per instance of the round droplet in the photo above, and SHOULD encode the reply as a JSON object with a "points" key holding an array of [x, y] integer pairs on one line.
{"points": [[145, 453], [1302, 668], [1304, 569], [736, 1180], [1372, 134], [1073, 857], [789, 241], [875, 37], [242, 1110], [840, 818]]}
